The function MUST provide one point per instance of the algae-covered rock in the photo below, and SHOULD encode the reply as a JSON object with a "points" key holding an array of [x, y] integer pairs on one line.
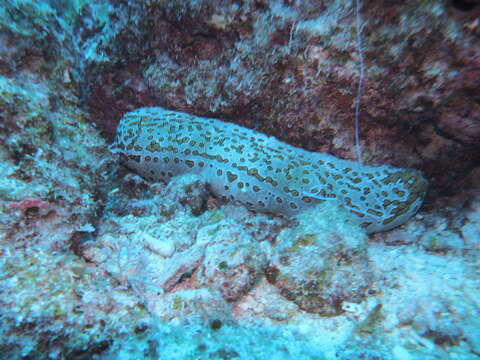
{"points": [[321, 262]]}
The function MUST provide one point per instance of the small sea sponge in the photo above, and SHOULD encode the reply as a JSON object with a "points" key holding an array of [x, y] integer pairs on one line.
{"points": [[262, 172]]}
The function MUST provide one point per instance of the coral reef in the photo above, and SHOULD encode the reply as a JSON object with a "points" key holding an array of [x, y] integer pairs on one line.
{"points": [[322, 262], [99, 263], [291, 70]]}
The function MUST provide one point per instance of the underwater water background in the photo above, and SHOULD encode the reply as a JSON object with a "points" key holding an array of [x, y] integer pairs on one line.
{"points": [[257, 179]]}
